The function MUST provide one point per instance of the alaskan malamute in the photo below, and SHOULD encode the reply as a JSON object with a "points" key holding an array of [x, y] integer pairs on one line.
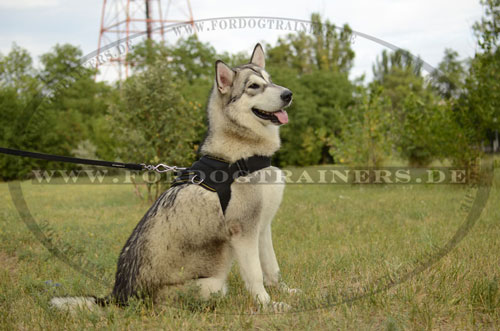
{"points": [[195, 229]]}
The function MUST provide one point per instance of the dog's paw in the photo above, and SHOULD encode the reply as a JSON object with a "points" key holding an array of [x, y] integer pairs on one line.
{"points": [[263, 298]]}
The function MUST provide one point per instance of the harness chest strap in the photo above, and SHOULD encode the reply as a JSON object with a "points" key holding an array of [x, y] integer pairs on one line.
{"points": [[217, 175]]}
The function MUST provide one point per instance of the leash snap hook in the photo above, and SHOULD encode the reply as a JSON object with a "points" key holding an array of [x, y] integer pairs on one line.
{"points": [[161, 168]]}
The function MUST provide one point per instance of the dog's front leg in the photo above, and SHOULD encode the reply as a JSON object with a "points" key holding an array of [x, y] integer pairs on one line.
{"points": [[269, 262], [246, 251], [268, 259]]}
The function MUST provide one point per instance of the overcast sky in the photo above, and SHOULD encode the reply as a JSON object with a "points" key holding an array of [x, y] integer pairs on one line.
{"points": [[424, 27]]}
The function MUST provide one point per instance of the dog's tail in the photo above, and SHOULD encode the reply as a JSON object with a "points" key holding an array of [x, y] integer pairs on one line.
{"points": [[74, 303]]}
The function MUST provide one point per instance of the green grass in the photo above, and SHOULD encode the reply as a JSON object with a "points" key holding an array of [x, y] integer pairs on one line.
{"points": [[335, 242]]}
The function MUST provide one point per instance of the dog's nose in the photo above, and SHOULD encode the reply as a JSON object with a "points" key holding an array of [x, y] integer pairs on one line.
{"points": [[286, 95]]}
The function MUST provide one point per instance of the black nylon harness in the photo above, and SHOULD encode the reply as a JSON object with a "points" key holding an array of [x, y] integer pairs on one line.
{"points": [[217, 175]]}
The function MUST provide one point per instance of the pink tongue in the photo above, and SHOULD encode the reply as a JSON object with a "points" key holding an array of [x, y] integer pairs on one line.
{"points": [[282, 116]]}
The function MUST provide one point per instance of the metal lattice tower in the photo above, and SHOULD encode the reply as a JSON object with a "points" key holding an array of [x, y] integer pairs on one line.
{"points": [[121, 19]]}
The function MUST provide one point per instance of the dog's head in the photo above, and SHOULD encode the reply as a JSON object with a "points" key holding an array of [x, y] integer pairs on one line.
{"points": [[246, 105], [250, 94]]}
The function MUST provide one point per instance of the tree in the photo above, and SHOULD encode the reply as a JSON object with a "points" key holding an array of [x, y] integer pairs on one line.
{"points": [[74, 101], [16, 70], [19, 99], [399, 74], [51, 110], [153, 123], [449, 78], [456, 141], [482, 98], [316, 68], [412, 106], [189, 58], [327, 48], [488, 29], [365, 138]]}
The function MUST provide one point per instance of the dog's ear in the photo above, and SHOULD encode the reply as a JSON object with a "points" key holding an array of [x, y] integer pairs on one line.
{"points": [[224, 76], [258, 57]]}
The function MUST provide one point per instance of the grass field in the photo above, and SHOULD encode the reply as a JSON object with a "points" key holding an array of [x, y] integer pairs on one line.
{"points": [[351, 249]]}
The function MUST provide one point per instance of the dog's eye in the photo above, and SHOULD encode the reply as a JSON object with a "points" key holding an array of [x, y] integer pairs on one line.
{"points": [[254, 86]]}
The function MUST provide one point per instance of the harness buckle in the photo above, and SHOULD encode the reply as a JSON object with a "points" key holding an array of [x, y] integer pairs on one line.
{"points": [[242, 167]]}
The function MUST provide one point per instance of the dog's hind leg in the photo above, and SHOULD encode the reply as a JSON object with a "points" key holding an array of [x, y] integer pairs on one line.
{"points": [[211, 285], [217, 282]]}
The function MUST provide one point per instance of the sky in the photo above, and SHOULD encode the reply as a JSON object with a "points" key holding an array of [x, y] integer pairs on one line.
{"points": [[424, 27]]}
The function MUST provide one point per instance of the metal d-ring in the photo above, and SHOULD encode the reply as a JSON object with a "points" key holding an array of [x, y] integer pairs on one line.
{"points": [[198, 182]]}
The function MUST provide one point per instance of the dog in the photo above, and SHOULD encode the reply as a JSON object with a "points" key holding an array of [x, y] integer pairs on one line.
{"points": [[186, 235]]}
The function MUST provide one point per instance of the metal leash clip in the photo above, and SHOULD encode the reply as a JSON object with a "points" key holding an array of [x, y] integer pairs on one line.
{"points": [[161, 168]]}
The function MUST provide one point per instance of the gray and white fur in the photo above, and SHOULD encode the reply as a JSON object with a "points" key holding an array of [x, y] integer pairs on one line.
{"points": [[185, 235]]}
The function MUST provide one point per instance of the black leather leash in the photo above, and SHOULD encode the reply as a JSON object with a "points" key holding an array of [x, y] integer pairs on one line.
{"points": [[49, 157]]}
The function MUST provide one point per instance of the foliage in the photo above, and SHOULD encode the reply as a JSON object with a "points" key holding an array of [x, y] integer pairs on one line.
{"points": [[476, 108], [482, 97], [423, 126], [365, 138], [421, 135], [51, 109], [18, 100], [151, 112], [315, 67], [398, 77], [399, 74], [453, 118], [188, 58], [488, 29], [449, 78], [152, 122]]}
